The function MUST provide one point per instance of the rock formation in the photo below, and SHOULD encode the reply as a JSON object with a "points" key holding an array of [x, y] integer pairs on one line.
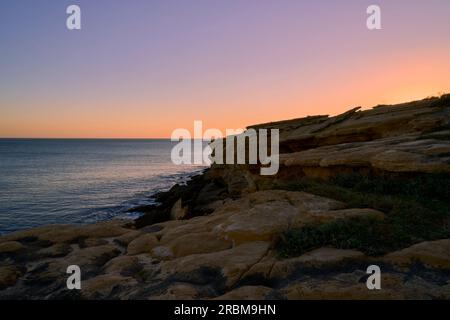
{"points": [[219, 236]]}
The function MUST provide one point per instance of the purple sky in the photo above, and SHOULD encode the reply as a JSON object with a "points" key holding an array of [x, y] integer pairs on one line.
{"points": [[144, 68]]}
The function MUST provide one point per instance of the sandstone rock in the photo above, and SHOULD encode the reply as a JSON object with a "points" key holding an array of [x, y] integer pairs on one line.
{"points": [[123, 265], [56, 250], [177, 291], [261, 269], [11, 247], [434, 254], [390, 154], [106, 229], [125, 239], [89, 260], [228, 220], [144, 243], [162, 252], [102, 286], [263, 222], [178, 212], [232, 263], [342, 287], [9, 275], [194, 243], [401, 161], [71, 233], [323, 217], [263, 215], [319, 258], [352, 286], [35, 233], [312, 203], [91, 242], [175, 229], [246, 293]]}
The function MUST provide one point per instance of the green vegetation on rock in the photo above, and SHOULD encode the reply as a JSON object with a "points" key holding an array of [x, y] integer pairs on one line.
{"points": [[417, 209]]}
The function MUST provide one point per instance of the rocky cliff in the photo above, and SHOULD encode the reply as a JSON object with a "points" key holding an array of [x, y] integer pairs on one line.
{"points": [[362, 188]]}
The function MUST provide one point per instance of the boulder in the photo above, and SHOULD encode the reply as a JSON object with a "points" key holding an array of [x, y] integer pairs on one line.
{"points": [[144, 243], [123, 265], [231, 263]]}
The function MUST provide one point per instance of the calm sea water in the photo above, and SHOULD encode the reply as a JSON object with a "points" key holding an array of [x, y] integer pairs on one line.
{"points": [[47, 181]]}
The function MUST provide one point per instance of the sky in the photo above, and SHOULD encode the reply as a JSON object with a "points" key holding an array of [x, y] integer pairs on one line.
{"points": [[143, 68]]}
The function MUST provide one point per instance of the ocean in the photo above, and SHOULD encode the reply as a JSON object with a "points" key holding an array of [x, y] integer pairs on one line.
{"points": [[59, 181]]}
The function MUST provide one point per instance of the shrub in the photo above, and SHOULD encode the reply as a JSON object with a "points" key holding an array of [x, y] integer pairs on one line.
{"points": [[416, 210]]}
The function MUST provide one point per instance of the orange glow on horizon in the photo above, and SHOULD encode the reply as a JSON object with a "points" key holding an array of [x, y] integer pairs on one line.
{"points": [[384, 82]]}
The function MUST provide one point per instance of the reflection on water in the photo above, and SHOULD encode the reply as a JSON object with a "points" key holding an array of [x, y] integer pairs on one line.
{"points": [[45, 181]]}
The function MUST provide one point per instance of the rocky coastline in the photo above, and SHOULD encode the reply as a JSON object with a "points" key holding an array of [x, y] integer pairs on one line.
{"points": [[361, 188]]}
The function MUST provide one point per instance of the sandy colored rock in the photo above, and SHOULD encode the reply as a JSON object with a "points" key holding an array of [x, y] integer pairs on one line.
{"points": [[11, 247], [144, 243], [162, 252], [262, 268], [125, 239], [263, 215], [72, 233], [323, 217], [349, 286], [101, 286], [402, 161], [123, 265], [9, 275], [56, 250], [177, 291], [195, 243], [92, 242], [232, 263], [226, 247], [263, 222], [88, 259], [178, 212], [434, 254], [337, 290], [246, 293], [319, 258]]}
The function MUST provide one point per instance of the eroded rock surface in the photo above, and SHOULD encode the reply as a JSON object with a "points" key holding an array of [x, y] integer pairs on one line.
{"points": [[216, 237]]}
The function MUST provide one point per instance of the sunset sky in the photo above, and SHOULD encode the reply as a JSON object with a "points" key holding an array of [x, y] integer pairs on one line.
{"points": [[142, 68]]}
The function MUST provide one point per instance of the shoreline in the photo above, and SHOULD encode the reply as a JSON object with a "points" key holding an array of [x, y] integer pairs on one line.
{"points": [[126, 207], [362, 188]]}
